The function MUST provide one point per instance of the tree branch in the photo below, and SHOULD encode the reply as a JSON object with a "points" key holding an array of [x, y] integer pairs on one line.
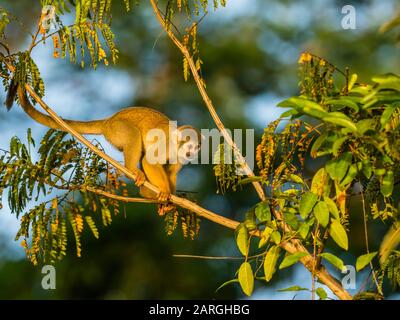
{"points": [[207, 100], [292, 246]]}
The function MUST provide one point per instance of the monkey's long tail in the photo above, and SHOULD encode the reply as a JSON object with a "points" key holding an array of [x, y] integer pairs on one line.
{"points": [[83, 127]]}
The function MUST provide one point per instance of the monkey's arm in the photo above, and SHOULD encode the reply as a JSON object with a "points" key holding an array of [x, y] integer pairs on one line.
{"points": [[157, 176]]}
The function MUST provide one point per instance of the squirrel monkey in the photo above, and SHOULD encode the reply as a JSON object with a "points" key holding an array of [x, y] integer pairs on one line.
{"points": [[127, 130]]}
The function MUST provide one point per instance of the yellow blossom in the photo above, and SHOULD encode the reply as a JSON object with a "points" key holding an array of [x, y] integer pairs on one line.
{"points": [[304, 57]]}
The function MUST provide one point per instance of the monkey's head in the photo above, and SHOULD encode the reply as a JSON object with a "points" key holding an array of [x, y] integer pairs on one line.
{"points": [[189, 143]]}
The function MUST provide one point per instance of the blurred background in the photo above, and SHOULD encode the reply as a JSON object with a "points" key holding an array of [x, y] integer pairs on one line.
{"points": [[250, 51]]}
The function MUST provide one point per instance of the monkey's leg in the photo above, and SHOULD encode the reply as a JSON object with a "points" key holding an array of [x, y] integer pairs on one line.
{"points": [[157, 176], [172, 171], [132, 150]]}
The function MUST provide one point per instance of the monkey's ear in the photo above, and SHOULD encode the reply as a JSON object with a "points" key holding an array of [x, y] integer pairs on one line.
{"points": [[187, 132]]}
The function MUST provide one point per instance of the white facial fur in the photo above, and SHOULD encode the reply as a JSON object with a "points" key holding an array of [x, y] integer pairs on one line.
{"points": [[189, 145]]}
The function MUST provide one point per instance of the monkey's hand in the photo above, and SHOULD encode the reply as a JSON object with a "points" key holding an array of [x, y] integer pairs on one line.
{"points": [[140, 177], [163, 195]]}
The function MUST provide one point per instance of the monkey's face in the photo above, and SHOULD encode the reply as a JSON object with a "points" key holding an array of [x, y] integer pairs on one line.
{"points": [[188, 151], [189, 144]]}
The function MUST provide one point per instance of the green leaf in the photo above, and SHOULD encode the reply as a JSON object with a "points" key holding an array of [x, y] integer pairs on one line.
{"points": [[364, 260], [276, 237], [387, 183], [293, 288], [337, 144], [332, 207], [341, 122], [263, 212], [289, 113], [379, 171], [270, 262], [321, 212], [387, 114], [296, 179], [351, 174], [307, 203], [366, 168], [337, 168], [29, 137], [321, 293], [242, 239], [352, 81], [340, 103], [365, 125], [246, 278], [390, 241], [338, 234], [319, 182], [303, 230], [92, 226], [317, 144], [304, 106], [387, 81], [226, 283], [265, 236], [291, 259], [334, 260], [250, 180], [250, 220], [290, 217]]}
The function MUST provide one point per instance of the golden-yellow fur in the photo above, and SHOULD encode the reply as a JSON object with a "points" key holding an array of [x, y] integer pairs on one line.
{"points": [[126, 130]]}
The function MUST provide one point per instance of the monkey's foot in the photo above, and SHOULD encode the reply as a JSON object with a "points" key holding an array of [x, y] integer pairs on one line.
{"points": [[140, 177], [163, 209], [163, 196]]}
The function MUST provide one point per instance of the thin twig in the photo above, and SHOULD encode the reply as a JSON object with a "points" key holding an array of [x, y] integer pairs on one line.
{"points": [[216, 257], [34, 37], [367, 245], [207, 99]]}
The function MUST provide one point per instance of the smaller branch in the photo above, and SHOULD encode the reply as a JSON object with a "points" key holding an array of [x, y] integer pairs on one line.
{"points": [[206, 98], [197, 23], [6, 48], [206, 257], [117, 197], [217, 258], [367, 245], [34, 37]]}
